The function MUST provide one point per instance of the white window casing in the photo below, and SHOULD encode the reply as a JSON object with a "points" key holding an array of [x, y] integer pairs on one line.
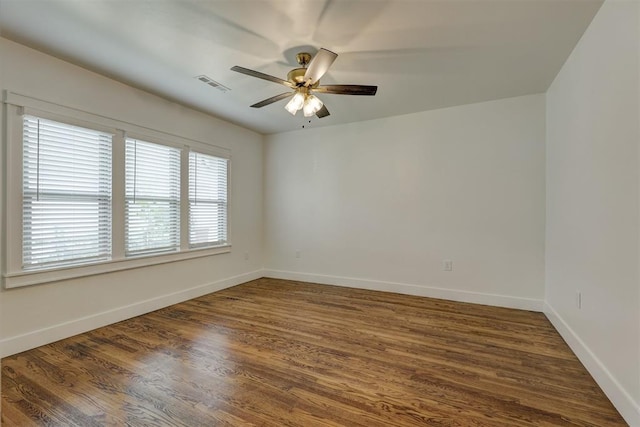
{"points": [[97, 199]]}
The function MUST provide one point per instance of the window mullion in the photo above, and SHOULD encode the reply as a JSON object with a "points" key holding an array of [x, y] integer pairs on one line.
{"points": [[118, 196], [184, 199]]}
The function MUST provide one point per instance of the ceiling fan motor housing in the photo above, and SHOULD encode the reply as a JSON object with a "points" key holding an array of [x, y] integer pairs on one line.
{"points": [[296, 76], [303, 58]]}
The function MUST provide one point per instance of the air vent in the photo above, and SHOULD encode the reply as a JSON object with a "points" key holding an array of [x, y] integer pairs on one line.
{"points": [[212, 83]]}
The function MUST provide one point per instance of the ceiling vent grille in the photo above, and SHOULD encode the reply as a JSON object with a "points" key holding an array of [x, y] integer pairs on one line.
{"points": [[212, 83]]}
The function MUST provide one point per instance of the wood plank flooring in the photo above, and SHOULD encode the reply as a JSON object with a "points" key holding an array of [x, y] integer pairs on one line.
{"points": [[280, 353]]}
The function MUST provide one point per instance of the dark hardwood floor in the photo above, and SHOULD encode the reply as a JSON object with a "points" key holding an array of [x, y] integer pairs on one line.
{"points": [[279, 353]]}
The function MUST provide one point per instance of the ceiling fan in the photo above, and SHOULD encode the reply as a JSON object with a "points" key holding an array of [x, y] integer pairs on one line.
{"points": [[305, 81]]}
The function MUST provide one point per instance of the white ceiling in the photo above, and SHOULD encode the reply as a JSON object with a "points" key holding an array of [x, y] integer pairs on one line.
{"points": [[422, 55]]}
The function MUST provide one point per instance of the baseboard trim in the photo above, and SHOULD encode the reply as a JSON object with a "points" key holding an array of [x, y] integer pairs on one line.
{"points": [[410, 289], [20, 343], [624, 403]]}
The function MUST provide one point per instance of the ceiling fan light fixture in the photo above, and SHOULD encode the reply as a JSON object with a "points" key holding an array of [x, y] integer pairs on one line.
{"points": [[304, 80], [295, 103], [312, 105]]}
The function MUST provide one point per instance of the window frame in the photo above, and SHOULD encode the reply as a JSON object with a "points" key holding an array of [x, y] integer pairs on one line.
{"points": [[18, 105], [195, 200], [178, 224], [65, 192]]}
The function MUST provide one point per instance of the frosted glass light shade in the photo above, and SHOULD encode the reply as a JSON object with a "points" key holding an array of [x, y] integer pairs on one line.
{"points": [[312, 105], [295, 103]]}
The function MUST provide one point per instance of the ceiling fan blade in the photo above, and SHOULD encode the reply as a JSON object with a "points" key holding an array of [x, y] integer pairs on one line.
{"points": [[272, 100], [347, 89], [262, 76], [323, 112], [319, 65]]}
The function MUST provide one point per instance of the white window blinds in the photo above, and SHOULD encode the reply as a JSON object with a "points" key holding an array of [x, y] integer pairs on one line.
{"points": [[152, 205], [207, 200], [66, 187]]}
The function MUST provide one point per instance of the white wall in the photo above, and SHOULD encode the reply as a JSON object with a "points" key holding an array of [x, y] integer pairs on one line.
{"points": [[31, 316], [593, 189], [380, 204]]}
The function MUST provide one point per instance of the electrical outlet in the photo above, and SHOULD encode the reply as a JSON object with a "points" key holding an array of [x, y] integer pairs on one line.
{"points": [[447, 265], [297, 254], [246, 256]]}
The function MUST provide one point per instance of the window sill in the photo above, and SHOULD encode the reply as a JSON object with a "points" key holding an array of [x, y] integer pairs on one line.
{"points": [[28, 278]]}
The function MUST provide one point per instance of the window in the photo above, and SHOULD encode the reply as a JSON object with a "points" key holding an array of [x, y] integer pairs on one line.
{"points": [[90, 195], [152, 210], [207, 200], [66, 194]]}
